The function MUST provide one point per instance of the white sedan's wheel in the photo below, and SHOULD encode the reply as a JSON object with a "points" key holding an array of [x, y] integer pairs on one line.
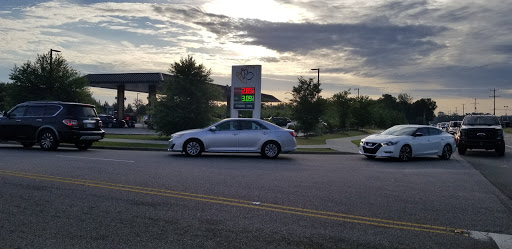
{"points": [[270, 150], [405, 153], [193, 148], [447, 152]]}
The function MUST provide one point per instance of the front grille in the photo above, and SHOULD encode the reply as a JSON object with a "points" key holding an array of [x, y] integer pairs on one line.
{"points": [[481, 134], [371, 150]]}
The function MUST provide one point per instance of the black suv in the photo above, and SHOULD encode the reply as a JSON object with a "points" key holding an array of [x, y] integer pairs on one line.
{"points": [[480, 132], [51, 123]]}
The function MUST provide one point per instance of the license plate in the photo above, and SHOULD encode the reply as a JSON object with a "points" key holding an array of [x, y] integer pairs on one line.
{"points": [[89, 125]]}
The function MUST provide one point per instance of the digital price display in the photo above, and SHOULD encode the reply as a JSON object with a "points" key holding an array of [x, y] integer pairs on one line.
{"points": [[244, 97]]}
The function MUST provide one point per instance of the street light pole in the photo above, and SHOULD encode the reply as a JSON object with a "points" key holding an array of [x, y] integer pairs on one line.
{"points": [[318, 78], [51, 61], [357, 92]]}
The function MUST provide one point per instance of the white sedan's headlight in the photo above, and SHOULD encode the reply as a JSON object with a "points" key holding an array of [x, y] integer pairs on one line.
{"points": [[389, 143], [174, 136]]}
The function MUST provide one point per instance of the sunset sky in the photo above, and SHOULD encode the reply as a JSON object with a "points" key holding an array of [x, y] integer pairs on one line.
{"points": [[450, 51]]}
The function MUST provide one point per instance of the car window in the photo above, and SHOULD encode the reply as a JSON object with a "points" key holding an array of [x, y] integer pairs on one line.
{"points": [[434, 131], [18, 112], [82, 111], [52, 110], [423, 130], [400, 130], [226, 126], [480, 120], [250, 125], [35, 111]]}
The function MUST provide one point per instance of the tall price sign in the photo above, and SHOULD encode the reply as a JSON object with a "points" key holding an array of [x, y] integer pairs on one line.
{"points": [[246, 89]]}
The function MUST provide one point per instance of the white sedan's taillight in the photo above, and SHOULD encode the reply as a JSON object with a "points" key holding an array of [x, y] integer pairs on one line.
{"points": [[292, 133]]}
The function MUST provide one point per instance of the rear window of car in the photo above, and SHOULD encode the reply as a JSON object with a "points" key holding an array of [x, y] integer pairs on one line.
{"points": [[52, 110], [82, 111]]}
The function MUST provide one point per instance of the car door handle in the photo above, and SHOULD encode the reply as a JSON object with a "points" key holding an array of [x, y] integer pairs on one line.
{"points": [[39, 120], [265, 133], [18, 120]]}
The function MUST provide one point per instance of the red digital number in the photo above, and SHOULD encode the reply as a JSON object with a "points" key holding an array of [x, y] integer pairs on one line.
{"points": [[247, 90]]}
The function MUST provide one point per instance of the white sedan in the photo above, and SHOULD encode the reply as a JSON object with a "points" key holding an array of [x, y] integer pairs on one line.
{"points": [[407, 141], [235, 135]]}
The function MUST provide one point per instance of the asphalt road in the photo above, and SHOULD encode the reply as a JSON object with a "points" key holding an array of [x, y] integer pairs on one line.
{"points": [[132, 199]]}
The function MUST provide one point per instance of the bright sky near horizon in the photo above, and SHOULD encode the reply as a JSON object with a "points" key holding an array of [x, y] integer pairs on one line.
{"points": [[451, 51]]}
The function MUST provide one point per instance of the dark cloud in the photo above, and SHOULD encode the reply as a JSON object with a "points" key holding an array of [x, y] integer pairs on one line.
{"points": [[378, 44]]}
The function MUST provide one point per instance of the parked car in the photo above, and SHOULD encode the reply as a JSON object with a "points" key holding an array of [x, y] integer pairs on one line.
{"points": [[110, 122], [480, 132], [407, 141], [280, 121], [235, 135], [453, 126], [52, 123]]}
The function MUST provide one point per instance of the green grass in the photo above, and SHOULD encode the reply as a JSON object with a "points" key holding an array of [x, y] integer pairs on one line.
{"points": [[316, 140], [138, 137], [130, 145], [316, 150], [508, 130], [357, 142]]}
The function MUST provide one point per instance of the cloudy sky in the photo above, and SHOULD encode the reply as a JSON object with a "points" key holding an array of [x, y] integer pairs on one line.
{"points": [[450, 51]]}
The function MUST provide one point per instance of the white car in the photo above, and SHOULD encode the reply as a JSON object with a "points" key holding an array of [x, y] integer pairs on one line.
{"points": [[407, 141], [235, 135]]}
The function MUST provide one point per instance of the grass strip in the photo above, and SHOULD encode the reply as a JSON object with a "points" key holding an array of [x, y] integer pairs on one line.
{"points": [[318, 140], [130, 145], [137, 137]]}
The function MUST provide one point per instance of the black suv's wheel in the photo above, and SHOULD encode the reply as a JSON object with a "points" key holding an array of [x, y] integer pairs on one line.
{"points": [[405, 153], [462, 150], [270, 149], [500, 150], [48, 140], [83, 145], [193, 147], [447, 152], [109, 125], [28, 144]]}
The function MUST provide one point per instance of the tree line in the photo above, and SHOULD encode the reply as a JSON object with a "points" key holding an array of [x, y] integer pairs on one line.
{"points": [[190, 100]]}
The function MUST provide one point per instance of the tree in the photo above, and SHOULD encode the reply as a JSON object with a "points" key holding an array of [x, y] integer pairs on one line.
{"points": [[3, 97], [342, 103], [188, 100], [308, 105], [41, 81]]}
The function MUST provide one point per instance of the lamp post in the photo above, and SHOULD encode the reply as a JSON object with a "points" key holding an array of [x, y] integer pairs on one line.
{"points": [[357, 92], [506, 107], [317, 69], [51, 61]]}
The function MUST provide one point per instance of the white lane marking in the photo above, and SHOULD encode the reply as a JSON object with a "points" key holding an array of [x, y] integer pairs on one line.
{"points": [[93, 158], [508, 146], [504, 241]]}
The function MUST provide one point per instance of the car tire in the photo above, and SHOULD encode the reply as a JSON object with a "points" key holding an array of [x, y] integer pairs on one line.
{"points": [[48, 140], [405, 153], [270, 149], [447, 152], [28, 144], [193, 147], [83, 145], [462, 150], [501, 151], [109, 125]]}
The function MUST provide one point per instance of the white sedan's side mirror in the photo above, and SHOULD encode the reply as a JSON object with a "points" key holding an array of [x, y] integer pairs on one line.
{"points": [[213, 128]]}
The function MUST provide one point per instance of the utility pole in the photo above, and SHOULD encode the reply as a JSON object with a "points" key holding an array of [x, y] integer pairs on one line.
{"points": [[494, 96], [475, 105], [463, 113], [357, 92]]}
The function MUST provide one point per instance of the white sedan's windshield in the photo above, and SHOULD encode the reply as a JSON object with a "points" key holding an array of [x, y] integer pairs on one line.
{"points": [[400, 130]]}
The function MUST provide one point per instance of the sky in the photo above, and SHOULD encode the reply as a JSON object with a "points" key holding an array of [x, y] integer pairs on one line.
{"points": [[455, 52]]}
